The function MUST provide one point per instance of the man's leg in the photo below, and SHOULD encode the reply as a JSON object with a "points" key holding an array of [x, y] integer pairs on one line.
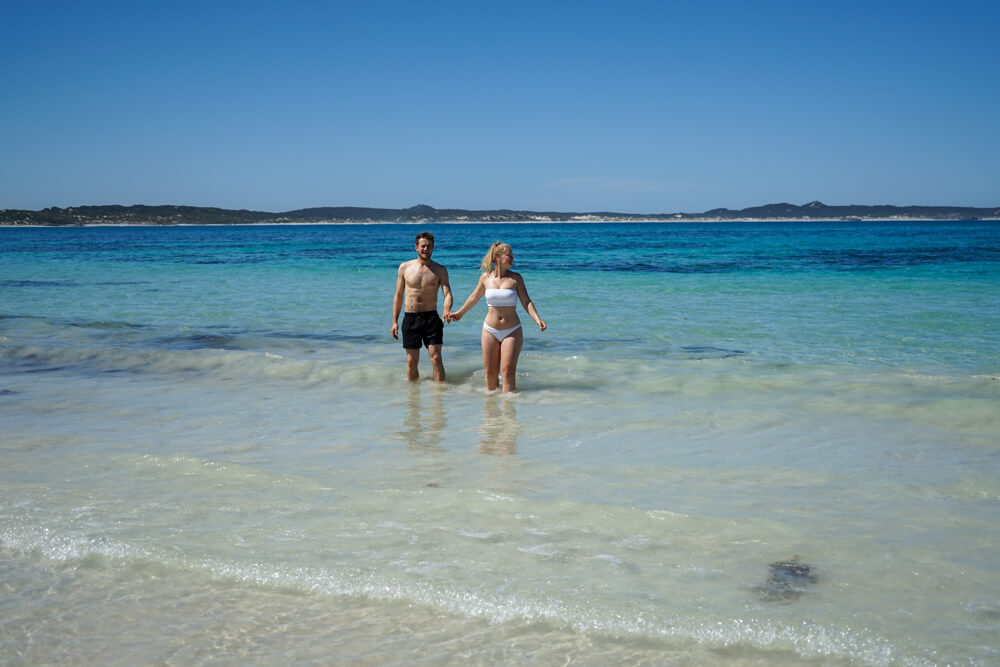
{"points": [[437, 362], [412, 363]]}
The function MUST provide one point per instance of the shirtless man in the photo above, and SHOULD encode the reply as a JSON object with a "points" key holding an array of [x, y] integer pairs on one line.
{"points": [[419, 279]]}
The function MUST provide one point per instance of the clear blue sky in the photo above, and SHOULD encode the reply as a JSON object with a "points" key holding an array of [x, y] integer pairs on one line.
{"points": [[641, 107]]}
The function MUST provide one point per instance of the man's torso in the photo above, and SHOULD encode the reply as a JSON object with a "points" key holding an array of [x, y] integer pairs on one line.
{"points": [[422, 284]]}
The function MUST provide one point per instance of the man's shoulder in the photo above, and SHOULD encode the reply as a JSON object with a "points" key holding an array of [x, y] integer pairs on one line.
{"points": [[420, 263]]}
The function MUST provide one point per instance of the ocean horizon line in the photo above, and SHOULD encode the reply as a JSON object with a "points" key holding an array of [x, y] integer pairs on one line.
{"points": [[172, 214], [327, 223]]}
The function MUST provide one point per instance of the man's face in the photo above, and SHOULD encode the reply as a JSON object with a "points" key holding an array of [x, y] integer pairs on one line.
{"points": [[424, 248]]}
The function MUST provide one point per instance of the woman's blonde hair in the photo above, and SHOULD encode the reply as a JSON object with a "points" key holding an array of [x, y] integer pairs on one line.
{"points": [[490, 260]]}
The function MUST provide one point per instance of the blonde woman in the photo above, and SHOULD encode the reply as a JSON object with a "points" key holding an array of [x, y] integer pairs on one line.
{"points": [[502, 334]]}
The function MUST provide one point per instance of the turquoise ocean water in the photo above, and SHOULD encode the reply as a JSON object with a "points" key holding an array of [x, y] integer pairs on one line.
{"points": [[736, 444]]}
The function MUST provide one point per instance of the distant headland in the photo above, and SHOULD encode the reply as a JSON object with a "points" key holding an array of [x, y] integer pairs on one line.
{"points": [[200, 215]]}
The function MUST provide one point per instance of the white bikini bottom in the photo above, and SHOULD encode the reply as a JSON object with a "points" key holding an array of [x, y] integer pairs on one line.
{"points": [[500, 334]]}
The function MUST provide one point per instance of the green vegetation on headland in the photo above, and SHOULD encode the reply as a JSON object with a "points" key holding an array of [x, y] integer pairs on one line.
{"points": [[199, 215]]}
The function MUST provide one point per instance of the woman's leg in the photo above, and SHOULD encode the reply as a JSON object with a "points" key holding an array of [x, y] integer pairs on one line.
{"points": [[491, 359], [510, 350]]}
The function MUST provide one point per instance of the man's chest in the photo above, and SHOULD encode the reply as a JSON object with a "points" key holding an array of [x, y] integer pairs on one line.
{"points": [[421, 278]]}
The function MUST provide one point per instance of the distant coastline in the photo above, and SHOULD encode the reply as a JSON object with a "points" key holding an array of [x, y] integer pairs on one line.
{"points": [[200, 215]]}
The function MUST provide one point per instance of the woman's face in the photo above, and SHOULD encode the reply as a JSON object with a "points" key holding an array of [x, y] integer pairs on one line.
{"points": [[505, 257]]}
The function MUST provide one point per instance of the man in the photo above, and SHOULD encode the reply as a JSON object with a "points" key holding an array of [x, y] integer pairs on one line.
{"points": [[420, 279]]}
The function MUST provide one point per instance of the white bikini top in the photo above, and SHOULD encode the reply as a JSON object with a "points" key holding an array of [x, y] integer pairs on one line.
{"points": [[497, 298]]}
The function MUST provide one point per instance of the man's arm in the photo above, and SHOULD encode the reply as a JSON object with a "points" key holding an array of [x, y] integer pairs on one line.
{"points": [[446, 290], [397, 301]]}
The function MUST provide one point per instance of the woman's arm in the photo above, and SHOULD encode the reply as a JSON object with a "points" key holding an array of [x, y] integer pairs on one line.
{"points": [[473, 299], [529, 305]]}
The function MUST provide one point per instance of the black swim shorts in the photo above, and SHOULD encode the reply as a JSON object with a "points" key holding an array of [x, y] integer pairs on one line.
{"points": [[421, 329]]}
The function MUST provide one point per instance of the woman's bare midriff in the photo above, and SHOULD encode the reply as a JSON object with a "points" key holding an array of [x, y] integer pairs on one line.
{"points": [[503, 317]]}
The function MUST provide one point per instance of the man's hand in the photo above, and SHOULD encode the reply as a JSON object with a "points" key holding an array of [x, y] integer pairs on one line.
{"points": [[395, 330]]}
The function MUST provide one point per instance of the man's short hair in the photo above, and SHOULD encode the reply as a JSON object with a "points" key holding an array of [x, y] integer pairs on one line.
{"points": [[424, 235]]}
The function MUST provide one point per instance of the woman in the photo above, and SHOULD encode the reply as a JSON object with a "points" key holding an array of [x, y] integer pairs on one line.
{"points": [[502, 333]]}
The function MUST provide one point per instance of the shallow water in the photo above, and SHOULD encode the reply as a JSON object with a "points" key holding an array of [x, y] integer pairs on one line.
{"points": [[211, 453]]}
